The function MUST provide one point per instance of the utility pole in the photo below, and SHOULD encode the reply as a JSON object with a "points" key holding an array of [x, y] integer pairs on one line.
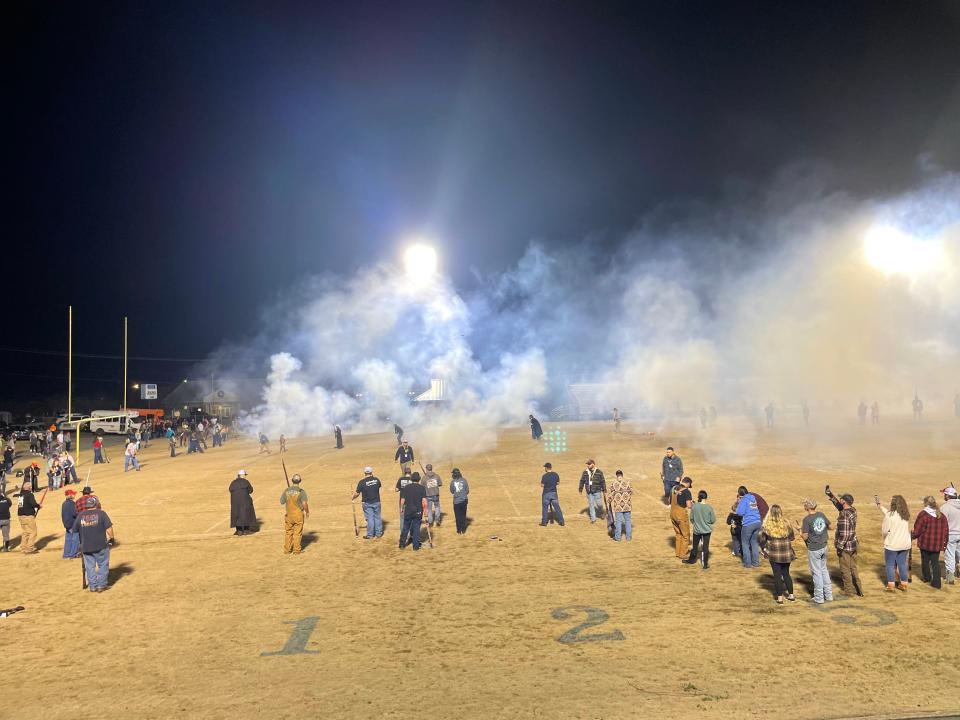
{"points": [[124, 419], [70, 366]]}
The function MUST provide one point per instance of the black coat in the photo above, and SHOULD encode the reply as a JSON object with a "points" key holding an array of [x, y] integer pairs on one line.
{"points": [[242, 513], [535, 430]]}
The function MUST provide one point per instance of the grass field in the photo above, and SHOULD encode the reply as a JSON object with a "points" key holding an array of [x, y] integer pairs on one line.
{"points": [[485, 624]]}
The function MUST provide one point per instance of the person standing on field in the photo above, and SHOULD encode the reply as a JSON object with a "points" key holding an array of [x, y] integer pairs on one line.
{"points": [[875, 413], [846, 543], [750, 521], [593, 482], [338, 436], [5, 505], [621, 504], [951, 510], [549, 482], [671, 472], [242, 515], [814, 531], [68, 514], [702, 519], [931, 531], [536, 432], [616, 420], [776, 543], [897, 542], [369, 489], [130, 457], [460, 490], [431, 483], [96, 534], [27, 509], [283, 443], [404, 456], [681, 501], [294, 500], [413, 503]]}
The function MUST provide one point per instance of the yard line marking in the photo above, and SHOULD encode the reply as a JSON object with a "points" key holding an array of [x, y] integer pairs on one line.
{"points": [[503, 485]]}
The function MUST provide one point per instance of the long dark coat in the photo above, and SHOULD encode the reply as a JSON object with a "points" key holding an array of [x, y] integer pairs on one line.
{"points": [[535, 430], [242, 513]]}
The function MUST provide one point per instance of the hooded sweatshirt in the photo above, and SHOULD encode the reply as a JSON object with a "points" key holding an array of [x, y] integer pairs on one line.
{"points": [[895, 531], [951, 508], [459, 489]]}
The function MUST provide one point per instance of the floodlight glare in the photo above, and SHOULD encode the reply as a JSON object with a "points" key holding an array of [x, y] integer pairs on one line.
{"points": [[892, 251], [420, 261]]}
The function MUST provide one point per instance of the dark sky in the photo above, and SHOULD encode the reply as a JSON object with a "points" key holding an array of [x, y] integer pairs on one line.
{"points": [[183, 163]]}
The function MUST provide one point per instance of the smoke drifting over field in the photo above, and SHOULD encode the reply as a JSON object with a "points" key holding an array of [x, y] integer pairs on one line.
{"points": [[770, 299]]}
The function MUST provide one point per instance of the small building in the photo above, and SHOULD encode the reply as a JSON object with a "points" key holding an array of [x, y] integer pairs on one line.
{"points": [[218, 398]]}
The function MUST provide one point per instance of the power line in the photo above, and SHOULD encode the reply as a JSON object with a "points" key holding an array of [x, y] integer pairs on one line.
{"points": [[60, 353]]}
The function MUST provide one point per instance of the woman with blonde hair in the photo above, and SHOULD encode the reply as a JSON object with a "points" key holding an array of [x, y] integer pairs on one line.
{"points": [[776, 544], [897, 542]]}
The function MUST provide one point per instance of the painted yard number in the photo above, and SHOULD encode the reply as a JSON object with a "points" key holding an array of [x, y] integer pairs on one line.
{"points": [[299, 636], [595, 617]]}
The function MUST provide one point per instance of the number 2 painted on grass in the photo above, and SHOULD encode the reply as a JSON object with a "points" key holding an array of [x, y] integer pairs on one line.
{"points": [[297, 644], [595, 617]]}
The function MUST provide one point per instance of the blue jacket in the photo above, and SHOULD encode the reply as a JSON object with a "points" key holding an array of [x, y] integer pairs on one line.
{"points": [[68, 513], [747, 509]]}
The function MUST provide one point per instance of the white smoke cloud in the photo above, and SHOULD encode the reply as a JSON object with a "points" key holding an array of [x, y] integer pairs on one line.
{"points": [[768, 299]]}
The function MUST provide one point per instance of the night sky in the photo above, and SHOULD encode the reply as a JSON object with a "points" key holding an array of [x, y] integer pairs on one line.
{"points": [[183, 163]]}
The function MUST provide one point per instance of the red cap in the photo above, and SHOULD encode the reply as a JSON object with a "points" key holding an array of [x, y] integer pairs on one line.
{"points": [[69, 492]]}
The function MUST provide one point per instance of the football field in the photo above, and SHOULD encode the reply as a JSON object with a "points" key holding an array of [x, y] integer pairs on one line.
{"points": [[510, 619]]}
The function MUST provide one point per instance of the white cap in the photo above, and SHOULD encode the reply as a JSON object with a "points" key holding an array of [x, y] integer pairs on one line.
{"points": [[241, 472], [368, 470]]}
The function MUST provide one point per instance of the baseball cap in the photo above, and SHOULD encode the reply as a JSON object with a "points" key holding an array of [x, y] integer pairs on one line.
{"points": [[70, 492], [90, 502], [296, 479], [950, 491], [241, 473], [847, 498], [590, 461], [368, 470]]}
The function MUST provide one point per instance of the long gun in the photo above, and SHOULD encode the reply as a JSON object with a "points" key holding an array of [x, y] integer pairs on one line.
{"points": [[286, 477]]}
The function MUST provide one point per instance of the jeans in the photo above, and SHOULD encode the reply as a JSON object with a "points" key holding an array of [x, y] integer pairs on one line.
{"points": [[217, 440], [594, 498], [71, 545], [97, 456], [953, 548], [896, 558], [781, 578], [460, 514], [548, 499], [433, 508], [410, 527], [735, 536], [622, 518], [750, 544], [704, 554], [668, 486], [371, 511], [71, 473], [930, 567], [822, 589], [96, 565], [129, 460]]}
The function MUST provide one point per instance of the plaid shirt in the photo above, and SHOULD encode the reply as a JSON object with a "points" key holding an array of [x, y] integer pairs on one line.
{"points": [[846, 536], [778, 549], [931, 532]]}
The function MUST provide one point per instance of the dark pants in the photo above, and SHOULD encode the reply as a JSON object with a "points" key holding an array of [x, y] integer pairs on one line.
{"points": [[548, 499], [173, 449], [781, 578], [930, 567], [697, 539], [410, 527], [668, 486], [460, 513]]}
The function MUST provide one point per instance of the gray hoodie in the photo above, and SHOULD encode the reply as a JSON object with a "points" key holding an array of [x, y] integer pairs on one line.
{"points": [[460, 489], [432, 482], [951, 508]]}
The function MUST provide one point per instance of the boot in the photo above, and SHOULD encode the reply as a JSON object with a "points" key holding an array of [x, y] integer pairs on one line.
{"points": [[951, 578], [5, 548]]}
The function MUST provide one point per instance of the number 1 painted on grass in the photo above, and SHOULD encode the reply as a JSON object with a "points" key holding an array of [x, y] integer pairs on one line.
{"points": [[299, 636]]}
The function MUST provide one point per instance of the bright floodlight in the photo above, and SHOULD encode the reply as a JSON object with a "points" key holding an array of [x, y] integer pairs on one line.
{"points": [[420, 261], [893, 251]]}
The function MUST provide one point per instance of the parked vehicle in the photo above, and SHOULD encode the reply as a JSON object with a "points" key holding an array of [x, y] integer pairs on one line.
{"points": [[112, 422]]}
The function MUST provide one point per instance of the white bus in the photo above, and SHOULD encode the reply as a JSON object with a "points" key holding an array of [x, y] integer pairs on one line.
{"points": [[113, 422]]}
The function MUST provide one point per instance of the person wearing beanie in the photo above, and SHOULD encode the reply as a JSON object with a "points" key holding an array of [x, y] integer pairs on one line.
{"points": [[897, 542], [931, 530], [460, 490], [369, 489], [68, 514], [846, 543], [951, 510]]}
